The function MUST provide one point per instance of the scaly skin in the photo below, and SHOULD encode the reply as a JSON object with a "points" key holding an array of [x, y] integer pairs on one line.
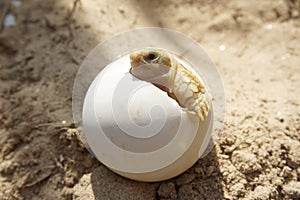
{"points": [[165, 72]]}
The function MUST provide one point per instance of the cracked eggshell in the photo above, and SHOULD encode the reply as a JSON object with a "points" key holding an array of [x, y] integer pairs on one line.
{"points": [[137, 130]]}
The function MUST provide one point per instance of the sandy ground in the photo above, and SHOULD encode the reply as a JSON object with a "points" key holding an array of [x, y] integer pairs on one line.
{"points": [[258, 154]]}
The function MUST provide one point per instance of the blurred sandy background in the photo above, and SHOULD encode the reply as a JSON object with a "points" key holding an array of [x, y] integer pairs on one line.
{"points": [[255, 45]]}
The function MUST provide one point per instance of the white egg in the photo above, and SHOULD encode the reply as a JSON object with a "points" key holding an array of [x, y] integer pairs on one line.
{"points": [[137, 130]]}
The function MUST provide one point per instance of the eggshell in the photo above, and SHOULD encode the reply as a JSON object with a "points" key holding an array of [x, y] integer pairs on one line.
{"points": [[137, 130]]}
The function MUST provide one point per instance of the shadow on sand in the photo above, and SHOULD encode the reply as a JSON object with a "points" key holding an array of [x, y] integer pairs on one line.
{"points": [[202, 181]]}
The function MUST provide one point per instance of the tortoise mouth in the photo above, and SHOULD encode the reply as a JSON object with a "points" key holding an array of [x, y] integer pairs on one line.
{"points": [[136, 59]]}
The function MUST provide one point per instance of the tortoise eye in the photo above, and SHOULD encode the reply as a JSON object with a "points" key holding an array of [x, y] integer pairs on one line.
{"points": [[152, 56]]}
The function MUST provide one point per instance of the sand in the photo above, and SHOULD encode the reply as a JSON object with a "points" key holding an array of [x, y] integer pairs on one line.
{"points": [[255, 45]]}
